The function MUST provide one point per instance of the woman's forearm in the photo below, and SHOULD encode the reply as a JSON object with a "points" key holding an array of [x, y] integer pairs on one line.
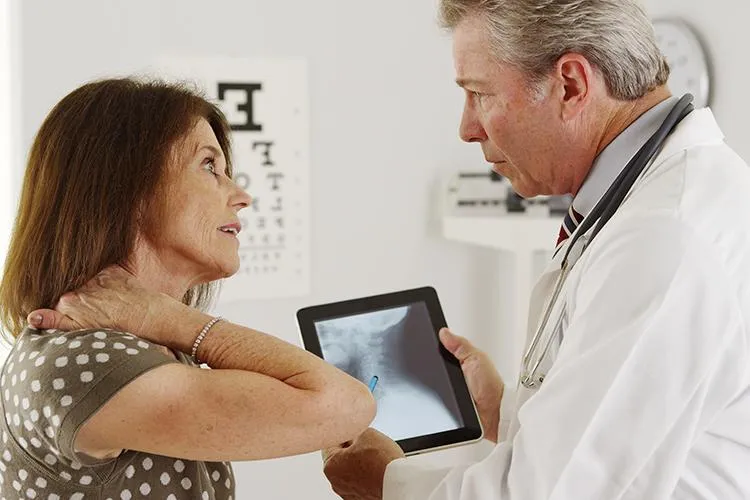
{"points": [[231, 346]]}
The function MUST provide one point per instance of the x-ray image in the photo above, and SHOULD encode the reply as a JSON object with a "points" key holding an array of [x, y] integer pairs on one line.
{"points": [[400, 348]]}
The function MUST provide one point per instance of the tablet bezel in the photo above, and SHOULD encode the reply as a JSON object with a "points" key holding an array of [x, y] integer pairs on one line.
{"points": [[472, 429]]}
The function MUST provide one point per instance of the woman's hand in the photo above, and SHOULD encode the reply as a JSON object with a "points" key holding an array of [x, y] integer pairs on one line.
{"points": [[111, 299]]}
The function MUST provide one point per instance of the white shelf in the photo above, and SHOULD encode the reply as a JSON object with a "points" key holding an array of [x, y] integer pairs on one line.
{"points": [[511, 232], [524, 243]]}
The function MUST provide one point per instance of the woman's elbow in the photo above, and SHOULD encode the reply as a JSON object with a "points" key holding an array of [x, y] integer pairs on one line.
{"points": [[353, 408]]}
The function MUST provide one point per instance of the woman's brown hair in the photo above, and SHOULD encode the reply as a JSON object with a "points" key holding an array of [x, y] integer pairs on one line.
{"points": [[94, 177]]}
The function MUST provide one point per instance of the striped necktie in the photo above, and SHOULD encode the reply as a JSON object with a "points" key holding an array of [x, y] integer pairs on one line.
{"points": [[569, 224]]}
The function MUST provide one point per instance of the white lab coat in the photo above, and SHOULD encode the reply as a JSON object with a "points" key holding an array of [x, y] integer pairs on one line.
{"points": [[649, 395]]}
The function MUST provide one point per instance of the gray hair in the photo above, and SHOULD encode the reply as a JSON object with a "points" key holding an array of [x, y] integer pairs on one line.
{"points": [[616, 36]]}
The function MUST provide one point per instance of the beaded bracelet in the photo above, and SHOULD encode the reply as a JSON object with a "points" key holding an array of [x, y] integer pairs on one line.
{"points": [[201, 336]]}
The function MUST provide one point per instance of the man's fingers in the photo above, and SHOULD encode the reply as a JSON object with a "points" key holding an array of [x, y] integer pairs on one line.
{"points": [[46, 319]]}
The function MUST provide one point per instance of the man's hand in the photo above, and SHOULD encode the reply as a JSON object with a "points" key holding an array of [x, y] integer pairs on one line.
{"points": [[484, 381], [356, 470]]}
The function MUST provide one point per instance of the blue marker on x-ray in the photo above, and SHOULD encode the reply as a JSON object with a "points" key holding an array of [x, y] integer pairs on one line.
{"points": [[373, 382]]}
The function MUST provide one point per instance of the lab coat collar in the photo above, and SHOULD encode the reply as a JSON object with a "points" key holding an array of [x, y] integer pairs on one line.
{"points": [[616, 155], [699, 128]]}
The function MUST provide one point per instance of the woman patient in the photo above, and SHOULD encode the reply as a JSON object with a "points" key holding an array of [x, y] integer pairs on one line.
{"points": [[127, 218]]}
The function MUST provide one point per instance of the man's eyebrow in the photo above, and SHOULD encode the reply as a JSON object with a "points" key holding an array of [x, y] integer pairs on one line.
{"points": [[464, 82]]}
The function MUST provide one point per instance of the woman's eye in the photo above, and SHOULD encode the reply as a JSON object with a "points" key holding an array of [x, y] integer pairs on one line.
{"points": [[210, 166]]}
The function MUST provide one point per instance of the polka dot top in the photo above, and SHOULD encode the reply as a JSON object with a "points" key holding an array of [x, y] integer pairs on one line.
{"points": [[50, 384]]}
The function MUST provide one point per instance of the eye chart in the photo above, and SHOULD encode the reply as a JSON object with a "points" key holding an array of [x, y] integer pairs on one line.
{"points": [[266, 104]]}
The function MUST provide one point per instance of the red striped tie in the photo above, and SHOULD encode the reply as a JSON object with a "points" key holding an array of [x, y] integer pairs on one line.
{"points": [[569, 224]]}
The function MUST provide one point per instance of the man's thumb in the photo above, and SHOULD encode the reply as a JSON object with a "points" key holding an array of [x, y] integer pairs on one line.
{"points": [[458, 346]]}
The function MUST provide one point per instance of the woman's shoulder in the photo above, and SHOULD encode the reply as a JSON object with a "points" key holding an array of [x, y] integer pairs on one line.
{"points": [[37, 349]]}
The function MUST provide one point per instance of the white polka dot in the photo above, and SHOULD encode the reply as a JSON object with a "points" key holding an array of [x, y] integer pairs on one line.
{"points": [[17, 485], [142, 344], [130, 471], [66, 401], [85, 480], [98, 345], [216, 475], [145, 489], [3, 468], [16, 419], [34, 415], [50, 432], [52, 496], [23, 442], [25, 403], [35, 442], [15, 399], [186, 483], [126, 495], [228, 483], [131, 351], [204, 496], [171, 497], [75, 466], [165, 479], [65, 475], [75, 344], [34, 354], [56, 420], [59, 340], [13, 380], [23, 354], [29, 426], [23, 375], [147, 463], [82, 359], [76, 496], [47, 411], [87, 377], [7, 394], [61, 361], [10, 367], [119, 346], [51, 460], [58, 384], [23, 474], [40, 361], [179, 465], [100, 335], [30, 493], [41, 482], [102, 357]]}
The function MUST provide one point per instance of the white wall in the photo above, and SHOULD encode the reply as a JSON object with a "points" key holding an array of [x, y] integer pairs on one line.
{"points": [[384, 120], [9, 129]]}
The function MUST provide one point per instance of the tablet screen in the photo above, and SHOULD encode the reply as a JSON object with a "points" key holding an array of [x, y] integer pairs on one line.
{"points": [[396, 352]]}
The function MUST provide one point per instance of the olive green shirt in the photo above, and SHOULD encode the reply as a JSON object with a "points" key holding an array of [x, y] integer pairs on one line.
{"points": [[51, 383]]}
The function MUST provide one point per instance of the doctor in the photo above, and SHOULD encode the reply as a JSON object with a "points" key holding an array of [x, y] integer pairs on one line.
{"points": [[638, 385]]}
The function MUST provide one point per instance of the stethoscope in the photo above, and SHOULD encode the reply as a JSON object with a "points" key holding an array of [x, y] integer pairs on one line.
{"points": [[601, 213]]}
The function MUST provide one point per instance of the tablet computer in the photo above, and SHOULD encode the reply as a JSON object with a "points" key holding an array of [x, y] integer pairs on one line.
{"points": [[390, 342]]}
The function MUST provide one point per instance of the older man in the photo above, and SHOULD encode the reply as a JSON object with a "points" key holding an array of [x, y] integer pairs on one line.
{"points": [[644, 392]]}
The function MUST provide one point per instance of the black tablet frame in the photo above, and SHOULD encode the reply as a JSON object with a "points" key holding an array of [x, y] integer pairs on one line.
{"points": [[472, 430]]}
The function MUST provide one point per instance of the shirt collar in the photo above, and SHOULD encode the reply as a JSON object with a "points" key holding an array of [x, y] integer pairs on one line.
{"points": [[616, 155]]}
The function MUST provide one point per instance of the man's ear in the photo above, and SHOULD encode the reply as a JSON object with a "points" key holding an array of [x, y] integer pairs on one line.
{"points": [[574, 78]]}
